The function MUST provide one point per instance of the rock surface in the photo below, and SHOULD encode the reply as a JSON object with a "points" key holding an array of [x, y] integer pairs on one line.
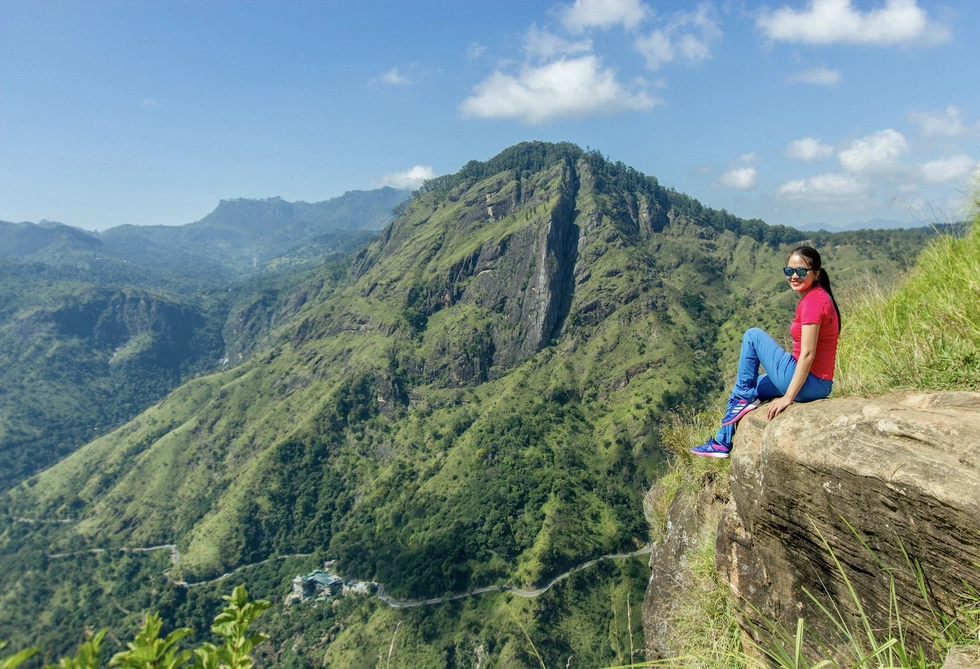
{"points": [[689, 519], [868, 482]]}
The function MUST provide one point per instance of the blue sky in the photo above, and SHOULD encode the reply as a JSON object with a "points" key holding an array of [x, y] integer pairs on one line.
{"points": [[794, 111]]}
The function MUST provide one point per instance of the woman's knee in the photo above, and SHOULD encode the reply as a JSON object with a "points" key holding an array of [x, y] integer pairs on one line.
{"points": [[755, 335]]}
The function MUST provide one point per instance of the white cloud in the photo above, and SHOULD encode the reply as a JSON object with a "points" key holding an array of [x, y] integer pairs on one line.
{"points": [[809, 149], [149, 102], [946, 123], [547, 46], [687, 36], [569, 88], [742, 178], [585, 14], [657, 48], [409, 179], [475, 50], [393, 77], [820, 76], [876, 153], [833, 21], [956, 168], [822, 187]]}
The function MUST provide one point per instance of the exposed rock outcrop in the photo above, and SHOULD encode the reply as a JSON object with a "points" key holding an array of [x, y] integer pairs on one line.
{"points": [[691, 520], [879, 485]]}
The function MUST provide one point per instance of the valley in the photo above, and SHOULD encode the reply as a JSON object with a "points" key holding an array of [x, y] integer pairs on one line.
{"points": [[468, 405]]}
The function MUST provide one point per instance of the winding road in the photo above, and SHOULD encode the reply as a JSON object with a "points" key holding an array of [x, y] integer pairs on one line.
{"points": [[410, 603], [387, 599]]}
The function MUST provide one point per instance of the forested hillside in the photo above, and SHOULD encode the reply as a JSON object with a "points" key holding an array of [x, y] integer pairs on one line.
{"points": [[96, 327], [471, 400]]}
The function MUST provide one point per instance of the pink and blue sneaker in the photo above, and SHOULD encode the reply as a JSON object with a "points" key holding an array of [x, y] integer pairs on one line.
{"points": [[737, 409], [711, 449]]}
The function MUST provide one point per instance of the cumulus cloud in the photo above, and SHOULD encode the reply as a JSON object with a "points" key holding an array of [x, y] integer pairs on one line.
{"points": [[544, 45], [956, 168], [585, 14], [820, 76], [686, 36], [875, 153], [946, 123], [822, 187], [742, 178], [565, 88], [409, 179], [808, 149], [833, 21]]}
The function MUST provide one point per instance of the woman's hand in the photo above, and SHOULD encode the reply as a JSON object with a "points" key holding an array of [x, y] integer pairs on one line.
{"points": [[808, 350], [777, 406]]}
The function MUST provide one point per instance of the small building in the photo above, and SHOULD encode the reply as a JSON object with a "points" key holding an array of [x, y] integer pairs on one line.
{"points": [[316, 584]]}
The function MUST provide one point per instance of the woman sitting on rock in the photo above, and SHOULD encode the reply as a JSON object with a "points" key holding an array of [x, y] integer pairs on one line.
{"points": [[804, 376]]}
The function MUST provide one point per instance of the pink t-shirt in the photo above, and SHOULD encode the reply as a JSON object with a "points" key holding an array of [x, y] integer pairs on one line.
{"points": [[816, 307]]}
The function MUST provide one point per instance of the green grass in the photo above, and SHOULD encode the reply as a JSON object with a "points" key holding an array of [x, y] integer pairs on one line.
{"points": [[685, 474], [702, 630], [925, 333]]}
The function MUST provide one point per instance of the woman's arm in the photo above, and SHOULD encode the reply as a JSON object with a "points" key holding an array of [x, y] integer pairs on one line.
{"points": [[808, 349]]}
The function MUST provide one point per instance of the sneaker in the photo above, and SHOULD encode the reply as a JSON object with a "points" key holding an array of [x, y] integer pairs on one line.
{"points": [[738, 409], [711, 449]]}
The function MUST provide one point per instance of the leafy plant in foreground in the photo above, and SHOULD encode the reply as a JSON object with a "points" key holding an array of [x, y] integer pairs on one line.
{"points": [[88, 655], [15, 659], [149, 651], [232, 625]]}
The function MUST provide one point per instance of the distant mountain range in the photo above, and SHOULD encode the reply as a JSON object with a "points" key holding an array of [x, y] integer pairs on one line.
{"points": [[873, 224], [94, 327], [239, 237]]}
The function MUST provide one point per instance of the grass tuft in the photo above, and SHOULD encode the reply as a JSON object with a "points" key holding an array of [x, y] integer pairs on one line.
{"points": [[924, 334]]}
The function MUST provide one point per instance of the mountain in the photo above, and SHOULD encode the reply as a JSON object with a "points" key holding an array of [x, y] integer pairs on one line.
{"points": [[473, 401], [239, 238], [873, 224], [96, 327], [27, 241], [244, 235]]}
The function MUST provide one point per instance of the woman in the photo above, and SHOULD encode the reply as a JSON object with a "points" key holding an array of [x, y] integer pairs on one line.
{"points": [[804, 376]]}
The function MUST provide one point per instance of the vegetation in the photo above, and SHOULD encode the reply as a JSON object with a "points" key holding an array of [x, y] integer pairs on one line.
{"points": [[926, 332], [472, 400], [149, 651], [95, 328]]}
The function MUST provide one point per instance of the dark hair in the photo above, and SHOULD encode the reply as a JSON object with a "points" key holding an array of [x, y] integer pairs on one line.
{"points": [[811, 255]]}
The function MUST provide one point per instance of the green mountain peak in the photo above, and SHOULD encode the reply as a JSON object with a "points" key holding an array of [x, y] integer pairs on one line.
{"points": [[474, 403]]}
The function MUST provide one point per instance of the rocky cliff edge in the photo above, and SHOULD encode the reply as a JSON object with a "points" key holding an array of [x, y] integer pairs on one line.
{"points": [[840, 495]]}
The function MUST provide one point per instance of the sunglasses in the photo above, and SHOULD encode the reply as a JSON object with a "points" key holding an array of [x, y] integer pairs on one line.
{"points": [[798, 271]]}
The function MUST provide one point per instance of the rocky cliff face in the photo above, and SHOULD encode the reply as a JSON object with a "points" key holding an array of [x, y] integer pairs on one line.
{"points": [[875, 483], [840, 494]]}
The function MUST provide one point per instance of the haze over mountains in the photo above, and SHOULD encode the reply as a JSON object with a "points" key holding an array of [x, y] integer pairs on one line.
{"points": [[471, 399], [238, 237], [873, 224], [95, 326]]}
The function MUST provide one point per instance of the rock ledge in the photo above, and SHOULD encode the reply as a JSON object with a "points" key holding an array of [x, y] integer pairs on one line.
{"points": [[872, 482]]}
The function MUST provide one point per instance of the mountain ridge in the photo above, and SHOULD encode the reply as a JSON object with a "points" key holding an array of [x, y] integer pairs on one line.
{"points": [[95, 326], [475, 402]]}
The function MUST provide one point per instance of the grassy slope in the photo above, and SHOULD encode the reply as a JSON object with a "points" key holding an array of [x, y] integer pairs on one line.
{"points": [[311, 446], [926, 333]]}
